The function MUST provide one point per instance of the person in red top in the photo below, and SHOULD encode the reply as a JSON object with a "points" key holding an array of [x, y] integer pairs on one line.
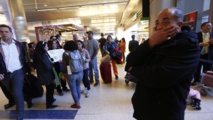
{"points": [[123, 48]]}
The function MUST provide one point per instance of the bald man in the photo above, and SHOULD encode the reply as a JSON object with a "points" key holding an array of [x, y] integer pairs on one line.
{"points": [[75, 37], [164, 66]]}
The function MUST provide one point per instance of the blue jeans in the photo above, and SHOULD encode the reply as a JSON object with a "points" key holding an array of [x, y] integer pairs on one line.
{"points": [[14, 83], [74, 82], [93, 66]]}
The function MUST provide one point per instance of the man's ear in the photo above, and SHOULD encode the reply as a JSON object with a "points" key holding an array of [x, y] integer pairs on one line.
{"points": [[180, 24]]}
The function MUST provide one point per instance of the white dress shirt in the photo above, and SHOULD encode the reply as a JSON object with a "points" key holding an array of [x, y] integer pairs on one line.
{"points": [[206, 37], [11, 53]]}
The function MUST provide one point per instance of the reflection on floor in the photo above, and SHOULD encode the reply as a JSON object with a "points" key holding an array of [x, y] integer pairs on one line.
{"points": [[109, 102]]}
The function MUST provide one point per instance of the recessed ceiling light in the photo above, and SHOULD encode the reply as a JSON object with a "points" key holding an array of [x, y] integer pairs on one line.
{"points": [[45, 5]]}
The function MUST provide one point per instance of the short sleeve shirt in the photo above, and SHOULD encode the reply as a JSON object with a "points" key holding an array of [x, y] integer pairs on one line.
{"points": [[91, 46]]}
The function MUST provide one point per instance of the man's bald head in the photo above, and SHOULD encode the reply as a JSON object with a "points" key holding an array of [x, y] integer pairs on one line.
{"points": [[175, 12], [75, 37], [169, 17]]}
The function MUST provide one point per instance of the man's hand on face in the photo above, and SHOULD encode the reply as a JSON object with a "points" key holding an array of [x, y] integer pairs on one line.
{"points": [[162, 35]]}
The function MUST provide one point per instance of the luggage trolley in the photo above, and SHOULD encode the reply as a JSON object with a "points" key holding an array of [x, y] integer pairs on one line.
{"points": [[206, 85]]}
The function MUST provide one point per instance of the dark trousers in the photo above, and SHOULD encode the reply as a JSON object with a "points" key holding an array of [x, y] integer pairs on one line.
{"points": [[206, 67], [7, 93], [14, 83], [58, 88], [49, 94], [63, 85], [86, 81]]}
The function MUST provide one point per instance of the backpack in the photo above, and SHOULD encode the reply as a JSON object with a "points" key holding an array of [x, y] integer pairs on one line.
{"points": [[75, 61]]}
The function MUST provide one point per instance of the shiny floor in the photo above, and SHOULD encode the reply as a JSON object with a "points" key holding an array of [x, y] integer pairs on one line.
{"points": [[110, 102]]}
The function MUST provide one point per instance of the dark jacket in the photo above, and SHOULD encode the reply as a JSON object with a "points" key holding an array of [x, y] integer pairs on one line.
{"points": [[200, 39], [164, 74], [44, 69], [102, 41], [133, 44], [3, 68]]}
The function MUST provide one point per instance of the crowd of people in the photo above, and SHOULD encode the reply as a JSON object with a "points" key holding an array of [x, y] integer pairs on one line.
{"points": [[164, 66]]}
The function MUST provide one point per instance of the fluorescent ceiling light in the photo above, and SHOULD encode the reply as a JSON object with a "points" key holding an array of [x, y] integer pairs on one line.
{"points": [[85, 5], [70, 7], [47, 9]]}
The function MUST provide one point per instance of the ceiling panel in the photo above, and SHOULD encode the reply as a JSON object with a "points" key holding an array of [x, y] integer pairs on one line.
{"points": [[100, 15], [93, 13]]}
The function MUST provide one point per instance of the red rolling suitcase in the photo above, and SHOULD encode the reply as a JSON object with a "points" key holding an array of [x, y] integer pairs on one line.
{"points": [[106, 74]]}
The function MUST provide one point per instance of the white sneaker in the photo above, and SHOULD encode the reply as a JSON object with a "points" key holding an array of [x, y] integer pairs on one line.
{"points": [[84, 91], [87, 94]]}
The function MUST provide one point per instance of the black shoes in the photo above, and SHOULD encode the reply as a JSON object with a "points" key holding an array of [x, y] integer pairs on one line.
{"points": [[116, 77], [52, 106], [29, 104], [66, 90], [91, 81], [196, 104], [61, 94], [96, 84], [53, 101], [9, 105]]}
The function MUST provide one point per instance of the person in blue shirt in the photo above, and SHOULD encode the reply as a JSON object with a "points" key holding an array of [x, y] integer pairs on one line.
{"points": [[110, 47]]}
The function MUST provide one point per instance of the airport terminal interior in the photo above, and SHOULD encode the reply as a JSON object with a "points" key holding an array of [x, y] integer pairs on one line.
{"points": [[37, 20]]}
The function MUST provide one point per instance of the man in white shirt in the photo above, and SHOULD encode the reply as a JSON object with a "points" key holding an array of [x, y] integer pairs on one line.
{"points": [[12, 61], [205, 38]]}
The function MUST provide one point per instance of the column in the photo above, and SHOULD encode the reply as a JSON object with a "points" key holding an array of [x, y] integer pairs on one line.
{"points": [[18, 17]]}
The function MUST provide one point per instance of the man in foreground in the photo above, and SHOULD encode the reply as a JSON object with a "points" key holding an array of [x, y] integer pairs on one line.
{"points": [[12, 59], [164, 66]]}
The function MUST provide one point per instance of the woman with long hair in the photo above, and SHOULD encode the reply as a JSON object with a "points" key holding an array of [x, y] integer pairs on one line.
{"points": [[45, 73], [52, 45], [110, 47], [86, 58]]}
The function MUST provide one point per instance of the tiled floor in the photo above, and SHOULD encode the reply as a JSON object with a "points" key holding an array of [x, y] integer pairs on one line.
{"points": [[111, 102]]}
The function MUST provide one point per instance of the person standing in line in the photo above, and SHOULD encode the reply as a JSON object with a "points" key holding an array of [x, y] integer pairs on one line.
{"points": [[110, 47], [122, 46], [75, 74], [12, 59], [52, 44], [86, 58], [93, 47], [45, 73], [58, 39], [205, 38], [75, 37], [133, 43], [102, 41], [164, 66]]}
